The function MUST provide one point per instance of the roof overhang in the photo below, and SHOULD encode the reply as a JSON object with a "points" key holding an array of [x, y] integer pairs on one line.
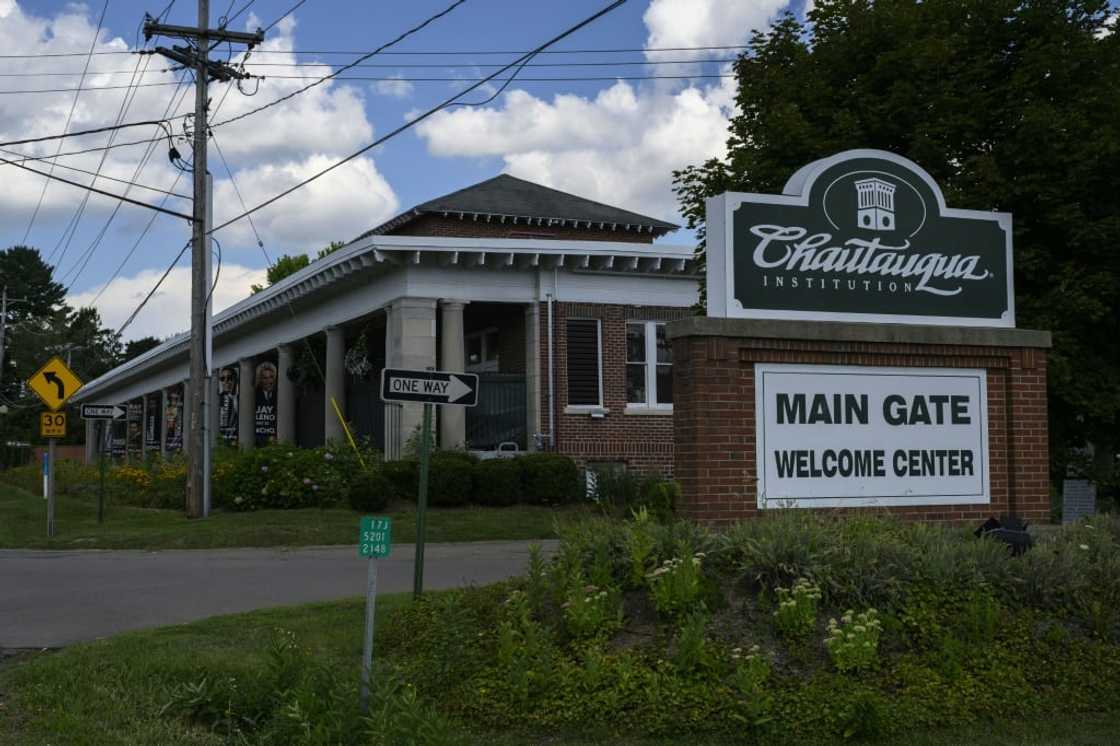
{"points": [[372, 256]]}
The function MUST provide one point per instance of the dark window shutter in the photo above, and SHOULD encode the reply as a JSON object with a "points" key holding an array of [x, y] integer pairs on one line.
{"points": [[583, 363]]}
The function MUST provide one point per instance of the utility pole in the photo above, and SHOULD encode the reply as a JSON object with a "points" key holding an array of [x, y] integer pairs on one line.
{"points": [[4, 300], [196, 57]]}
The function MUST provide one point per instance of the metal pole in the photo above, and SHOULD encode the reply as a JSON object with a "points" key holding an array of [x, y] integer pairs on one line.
{"points": [[3, 328], [422, 501], [367, 644], [199, 281], [208, 398], [101, 469], [50, 489]]}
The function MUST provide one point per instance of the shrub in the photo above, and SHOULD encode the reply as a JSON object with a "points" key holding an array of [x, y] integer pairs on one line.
{"points": [[675, 585], [498, 482], [404, 475], [370, 491], [450, 479], [796, 615], [625, 491], [549, 478], [283, 476], [591, 611], [853, 644]]}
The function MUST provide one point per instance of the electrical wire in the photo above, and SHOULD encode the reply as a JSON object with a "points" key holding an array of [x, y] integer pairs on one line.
{"points": [[69, 118], [363, 58], [79, 89], [410, 66], [281, 18], [92, 173], [80, 133], [236, 191], [93, 189], [152, 292], [429, 53], [420, 118]]}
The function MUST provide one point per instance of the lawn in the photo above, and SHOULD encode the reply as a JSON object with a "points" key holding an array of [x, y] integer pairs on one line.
{"points": [[23, 525], [111, 691]]}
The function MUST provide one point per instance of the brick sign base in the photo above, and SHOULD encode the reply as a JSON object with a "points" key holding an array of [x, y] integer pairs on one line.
{"points": [[714, 405]]}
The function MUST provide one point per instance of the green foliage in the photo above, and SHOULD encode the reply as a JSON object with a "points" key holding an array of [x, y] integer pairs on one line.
{"points": [[550, 478], [370, 491], [285, 265], [283, 476], [640, 543], [591, 611], [451, 478], [624, 492], [693, 650], [796, 615], [404, 475], [675, 585], [853, 644], [498, 482]]}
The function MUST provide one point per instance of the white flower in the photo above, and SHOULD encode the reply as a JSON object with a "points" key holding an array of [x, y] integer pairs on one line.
{"points": [[306, 480], [264, 468], [328, 456], [1084, 546]]}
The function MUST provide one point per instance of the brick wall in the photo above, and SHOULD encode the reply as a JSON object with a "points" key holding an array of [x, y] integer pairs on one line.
{"points": [[469, 227], [715, 420], [642, 442]]}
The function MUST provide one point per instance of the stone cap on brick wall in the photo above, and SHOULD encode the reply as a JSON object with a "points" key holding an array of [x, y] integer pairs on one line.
{"points": [[835, 331]]}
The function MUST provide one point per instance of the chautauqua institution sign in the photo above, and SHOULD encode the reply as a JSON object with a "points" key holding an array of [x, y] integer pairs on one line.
{"points": [[860, 236], [859, 350]]}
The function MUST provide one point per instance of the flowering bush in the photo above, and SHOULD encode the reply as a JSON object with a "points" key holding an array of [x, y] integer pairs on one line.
{"points": [[590, 612], [675, 585], [853, 644], [281, 476], [797, 609]]}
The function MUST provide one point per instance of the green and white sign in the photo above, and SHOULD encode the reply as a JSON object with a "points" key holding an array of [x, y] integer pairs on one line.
{"points": [[375, 537], [863, 235]]}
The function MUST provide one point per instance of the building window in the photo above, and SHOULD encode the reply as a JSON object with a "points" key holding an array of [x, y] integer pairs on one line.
{"points": [[585, 373], [649, 365]]}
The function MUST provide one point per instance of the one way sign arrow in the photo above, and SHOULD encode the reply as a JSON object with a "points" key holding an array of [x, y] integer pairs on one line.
{"points": [[429, 387]]}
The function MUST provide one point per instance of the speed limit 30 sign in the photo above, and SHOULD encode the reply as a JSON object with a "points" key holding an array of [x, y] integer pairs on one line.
{"points": [[52, 424]]}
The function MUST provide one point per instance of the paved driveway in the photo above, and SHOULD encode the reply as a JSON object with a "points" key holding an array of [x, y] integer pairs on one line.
{"points": [[53, 598]]}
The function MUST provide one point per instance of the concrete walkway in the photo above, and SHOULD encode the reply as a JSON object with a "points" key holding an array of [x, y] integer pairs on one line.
{"points": [[53, 598]]}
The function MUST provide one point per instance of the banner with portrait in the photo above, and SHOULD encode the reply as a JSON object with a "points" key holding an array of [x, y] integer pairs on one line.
{"points": [[134, 432], [152, 423], [228, 392], [264, 420]]}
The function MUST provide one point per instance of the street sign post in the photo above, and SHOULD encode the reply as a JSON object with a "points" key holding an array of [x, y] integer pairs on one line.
{"points": [[375, 540], [430, 388], [54, 383], [103, 412]]}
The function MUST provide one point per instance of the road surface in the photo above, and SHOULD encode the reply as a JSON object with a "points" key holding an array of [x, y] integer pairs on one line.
{"points": [[54, 598]]}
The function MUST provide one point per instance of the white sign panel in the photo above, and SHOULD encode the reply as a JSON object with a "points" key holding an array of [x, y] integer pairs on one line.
{"points": [[846, 436]]}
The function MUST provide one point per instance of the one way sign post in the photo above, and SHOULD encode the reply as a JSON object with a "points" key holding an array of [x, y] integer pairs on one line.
{"points": [[103, 412], [427, 387]]}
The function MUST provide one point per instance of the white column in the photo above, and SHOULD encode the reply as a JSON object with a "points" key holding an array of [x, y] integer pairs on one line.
{"points": [[532, 374], [285, 396], [143, 427], [188, 415], [335, 388], [452, 357], [91, 441], [246, 404], [410, 342], [162, 425]]}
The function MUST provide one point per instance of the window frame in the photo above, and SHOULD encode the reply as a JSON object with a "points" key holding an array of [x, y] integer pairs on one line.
{"points": [[583, 408], [650, 364]]}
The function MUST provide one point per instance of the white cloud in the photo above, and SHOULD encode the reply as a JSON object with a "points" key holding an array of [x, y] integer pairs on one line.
{"points": [[168, 312], [1109, 25], [336, 207], [396, 87], [621, 146]]}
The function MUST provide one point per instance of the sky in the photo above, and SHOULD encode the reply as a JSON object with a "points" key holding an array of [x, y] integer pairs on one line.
{"points": [[612, 139]]}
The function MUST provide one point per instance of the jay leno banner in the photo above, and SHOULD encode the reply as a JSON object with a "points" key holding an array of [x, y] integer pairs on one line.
{"points": [[863, 235]]}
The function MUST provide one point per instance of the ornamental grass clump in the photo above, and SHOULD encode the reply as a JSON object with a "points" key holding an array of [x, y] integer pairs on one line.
{"points": [[853, 644], [675, 585], [796, 615]]}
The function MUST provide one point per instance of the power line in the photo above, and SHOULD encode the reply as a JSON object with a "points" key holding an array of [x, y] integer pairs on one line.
{"points": [[114, 146], [79, 89], [92, 173], [152, 292], [94, 189], [286, 14], [410, 66], [430, 53], [413, 122], [363, 58], [69, 118], [80, 133]]}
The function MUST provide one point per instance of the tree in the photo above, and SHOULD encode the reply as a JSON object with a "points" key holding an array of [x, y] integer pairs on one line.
{"points": [[136, 347], [289, 264], [286, 265], [1011, 105]]}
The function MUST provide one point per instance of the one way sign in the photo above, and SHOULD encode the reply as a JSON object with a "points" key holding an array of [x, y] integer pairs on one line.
{"points": [[103, 412], [429, 386]]}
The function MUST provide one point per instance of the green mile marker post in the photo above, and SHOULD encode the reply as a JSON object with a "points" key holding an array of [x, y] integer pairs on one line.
{"points": [[375, 539]]}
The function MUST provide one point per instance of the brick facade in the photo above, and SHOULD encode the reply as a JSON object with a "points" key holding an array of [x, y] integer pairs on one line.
{"points": [[714, 389], [643, 442]]}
